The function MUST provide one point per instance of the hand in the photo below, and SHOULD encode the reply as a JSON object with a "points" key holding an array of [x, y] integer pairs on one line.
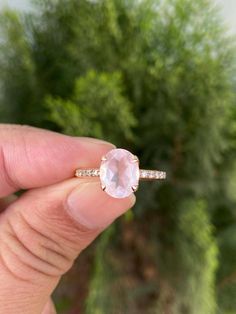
{"points": [[46, 228]]}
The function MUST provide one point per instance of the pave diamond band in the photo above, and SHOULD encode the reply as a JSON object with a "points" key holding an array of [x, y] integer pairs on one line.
{"points": [[81, 173], [143, 174], [151, 174]]}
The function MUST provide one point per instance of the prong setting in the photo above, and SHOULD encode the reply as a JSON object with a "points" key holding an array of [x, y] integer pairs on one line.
{"points": [[134, 188], [135, 158], [104, 158]]}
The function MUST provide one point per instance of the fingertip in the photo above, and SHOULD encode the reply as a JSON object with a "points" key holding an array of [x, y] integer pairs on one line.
{"points": [[95, 209], [132, 199], [96, 141]]}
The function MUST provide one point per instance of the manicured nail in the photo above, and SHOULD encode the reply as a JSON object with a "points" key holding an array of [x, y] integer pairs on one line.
{"points": [[93, 208]]}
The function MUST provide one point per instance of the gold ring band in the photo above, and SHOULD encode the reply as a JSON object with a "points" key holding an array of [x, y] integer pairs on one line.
{"points": [[143, 174]]}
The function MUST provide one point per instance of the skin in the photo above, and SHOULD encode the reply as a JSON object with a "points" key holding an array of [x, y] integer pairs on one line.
{"points": [[44, 230]]}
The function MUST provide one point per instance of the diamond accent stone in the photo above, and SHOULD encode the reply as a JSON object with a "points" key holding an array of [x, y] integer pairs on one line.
{"points": [[119, 173], [87, 173], [152, 174]]}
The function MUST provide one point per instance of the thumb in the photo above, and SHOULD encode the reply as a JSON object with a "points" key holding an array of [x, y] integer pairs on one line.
{"points": [[43, 232]]}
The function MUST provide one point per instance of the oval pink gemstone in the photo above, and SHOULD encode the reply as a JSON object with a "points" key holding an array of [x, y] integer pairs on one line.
{"points": [[119, 173]]}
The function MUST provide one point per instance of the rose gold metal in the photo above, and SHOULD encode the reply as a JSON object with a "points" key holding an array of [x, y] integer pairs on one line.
{"points": [[144, 174], [134, 188], [135, 159]]}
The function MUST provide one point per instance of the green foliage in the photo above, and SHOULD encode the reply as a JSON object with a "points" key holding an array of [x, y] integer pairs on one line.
{"points": [[196, 246], [156, 77], [226, 281], [17, 100], [63, 305], [97, 107], [98, 300], [187, 274]]}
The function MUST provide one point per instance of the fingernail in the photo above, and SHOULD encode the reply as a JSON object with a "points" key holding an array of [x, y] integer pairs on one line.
{"points": [[96, 141], [93, 208]]}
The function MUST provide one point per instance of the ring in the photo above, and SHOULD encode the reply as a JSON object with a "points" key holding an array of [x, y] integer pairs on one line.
{"points": [[119, 173]]}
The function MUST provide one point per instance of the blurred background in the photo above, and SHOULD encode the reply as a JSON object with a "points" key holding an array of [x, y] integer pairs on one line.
{"points": [[156, 77]]}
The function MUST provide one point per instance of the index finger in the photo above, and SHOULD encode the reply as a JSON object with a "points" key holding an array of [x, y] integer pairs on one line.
{"points": [[31, 157]]}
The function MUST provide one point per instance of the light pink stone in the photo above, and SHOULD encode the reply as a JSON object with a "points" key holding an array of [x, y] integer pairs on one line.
{"points": [[119, 172]]}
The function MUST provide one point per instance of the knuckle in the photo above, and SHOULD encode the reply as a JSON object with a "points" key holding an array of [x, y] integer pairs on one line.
{"points": [[28, 253], [43, 242], [5, 169], [70, 234]]}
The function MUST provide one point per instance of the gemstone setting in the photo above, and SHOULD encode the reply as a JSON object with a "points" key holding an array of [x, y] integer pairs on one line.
{"points": [[119, 173]]}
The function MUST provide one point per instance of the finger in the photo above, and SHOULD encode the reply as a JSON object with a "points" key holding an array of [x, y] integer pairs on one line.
{"points": [[5, 202], [31, 157], [49, 308], [43, 232]]}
